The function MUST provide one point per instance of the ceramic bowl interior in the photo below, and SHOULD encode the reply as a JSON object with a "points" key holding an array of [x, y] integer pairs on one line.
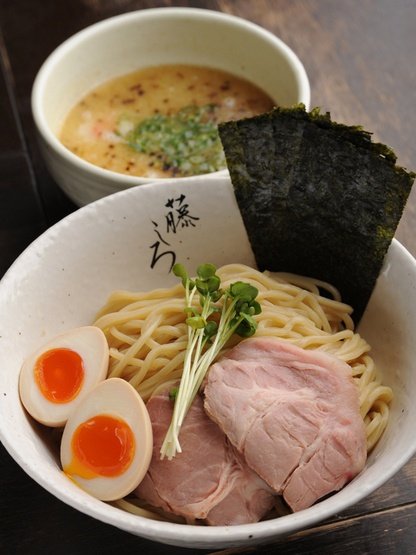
{"points": [[65, 276], [145, 38]]}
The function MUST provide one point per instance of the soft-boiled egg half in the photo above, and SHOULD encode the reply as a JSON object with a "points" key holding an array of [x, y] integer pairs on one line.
{"points": [[57, 376], [107, 442]]}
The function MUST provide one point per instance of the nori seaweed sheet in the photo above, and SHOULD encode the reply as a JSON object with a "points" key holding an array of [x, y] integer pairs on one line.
{"points": [[317, 198]]}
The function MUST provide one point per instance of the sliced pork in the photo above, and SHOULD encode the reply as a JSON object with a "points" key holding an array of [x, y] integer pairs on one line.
{"points": [[208, 480], [292, 413]]}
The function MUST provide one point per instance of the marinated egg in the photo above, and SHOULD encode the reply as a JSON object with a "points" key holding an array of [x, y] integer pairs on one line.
{"points": [[107, 442], [56, 377]]}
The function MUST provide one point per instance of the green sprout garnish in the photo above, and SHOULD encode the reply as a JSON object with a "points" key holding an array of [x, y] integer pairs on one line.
{"points": [[173, 393], [235, 308]]}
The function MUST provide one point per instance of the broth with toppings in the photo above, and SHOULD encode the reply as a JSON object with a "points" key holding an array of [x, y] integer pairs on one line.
{"points": [[160, 121]]}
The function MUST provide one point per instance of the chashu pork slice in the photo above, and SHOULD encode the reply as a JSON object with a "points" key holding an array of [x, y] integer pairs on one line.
{"points": [[208, 480], [292, 413]]}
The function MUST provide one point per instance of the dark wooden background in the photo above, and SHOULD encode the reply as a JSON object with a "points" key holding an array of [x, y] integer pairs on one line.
{"points": [[360, 57]]}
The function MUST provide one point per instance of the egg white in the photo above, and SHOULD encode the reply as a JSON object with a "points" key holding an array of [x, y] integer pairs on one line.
{"points": [[90, 343], [114, 397]]}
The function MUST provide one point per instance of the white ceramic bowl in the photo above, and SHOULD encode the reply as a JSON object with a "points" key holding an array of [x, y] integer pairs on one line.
{"points": [[65, 276], [145, 38]]}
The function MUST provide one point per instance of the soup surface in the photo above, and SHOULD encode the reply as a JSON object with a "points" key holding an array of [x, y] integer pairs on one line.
{"points": [[160, 121]]}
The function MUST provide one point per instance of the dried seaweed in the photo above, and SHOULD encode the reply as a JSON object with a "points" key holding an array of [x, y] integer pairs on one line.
{"points": [[318, 198]]}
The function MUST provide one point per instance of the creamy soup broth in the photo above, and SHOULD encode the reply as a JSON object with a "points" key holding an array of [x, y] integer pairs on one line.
{"points": [[127, 124]]}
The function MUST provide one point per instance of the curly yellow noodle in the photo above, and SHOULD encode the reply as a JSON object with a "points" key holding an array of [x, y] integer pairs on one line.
{"points": [[147, 334]]}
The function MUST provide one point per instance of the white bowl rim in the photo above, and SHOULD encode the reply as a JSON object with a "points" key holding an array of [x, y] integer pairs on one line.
{"points": [[56, 55], [181, 534]]}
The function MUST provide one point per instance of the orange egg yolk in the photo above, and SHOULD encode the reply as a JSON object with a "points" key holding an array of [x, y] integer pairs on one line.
{"points": [[101, 446], [59, 374]]}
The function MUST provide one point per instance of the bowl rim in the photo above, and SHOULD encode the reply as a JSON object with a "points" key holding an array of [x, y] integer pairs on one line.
{"points": [[99, 27], [182, 534]]}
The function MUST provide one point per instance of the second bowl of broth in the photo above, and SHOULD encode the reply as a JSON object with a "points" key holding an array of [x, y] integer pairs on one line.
{"points": [[136, 98], [160, 121]]}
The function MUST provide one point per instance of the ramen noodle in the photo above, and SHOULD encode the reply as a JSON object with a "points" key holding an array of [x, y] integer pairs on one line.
{"points": [[147, 334]]}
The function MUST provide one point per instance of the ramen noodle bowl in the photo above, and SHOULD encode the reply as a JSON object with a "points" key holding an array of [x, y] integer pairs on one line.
{"points": [[77, 264]]}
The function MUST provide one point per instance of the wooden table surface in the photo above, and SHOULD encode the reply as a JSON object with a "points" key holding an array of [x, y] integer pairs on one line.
{"points": [[360, 57]]}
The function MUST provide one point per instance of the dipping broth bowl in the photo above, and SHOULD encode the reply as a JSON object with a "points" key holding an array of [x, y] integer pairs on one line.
{"points": [[141, 39]]}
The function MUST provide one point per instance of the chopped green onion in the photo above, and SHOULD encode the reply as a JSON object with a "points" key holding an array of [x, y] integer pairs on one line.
{"points": [[185, 143]]}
